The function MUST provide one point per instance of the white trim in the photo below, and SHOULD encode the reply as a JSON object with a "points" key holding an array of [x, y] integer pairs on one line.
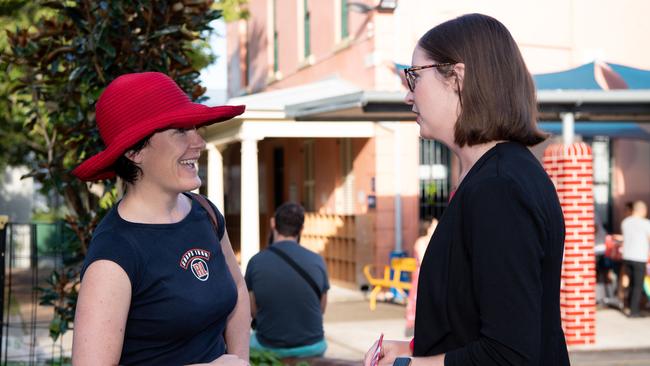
{"points": [[543, 96], [593, 96], [329, 104], [326, 129], [231, 131], [220, 134], [264, 114], [215, 176], [250, 202]]}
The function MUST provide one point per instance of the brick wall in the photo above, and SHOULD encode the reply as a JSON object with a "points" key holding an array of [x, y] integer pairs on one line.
{"points": [[570, 168]]}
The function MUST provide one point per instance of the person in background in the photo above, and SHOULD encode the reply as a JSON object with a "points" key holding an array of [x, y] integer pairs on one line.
{"points": [[288, 287], [489, 284], [603, 263], [419, 248], [160, 284], [636, 244]]}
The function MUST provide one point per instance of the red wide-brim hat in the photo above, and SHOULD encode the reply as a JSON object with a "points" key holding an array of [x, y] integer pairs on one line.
{"points": [[134, 106]]}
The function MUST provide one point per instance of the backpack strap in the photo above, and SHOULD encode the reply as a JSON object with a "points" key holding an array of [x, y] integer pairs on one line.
{"points": [[208, 207], [297, 268]]}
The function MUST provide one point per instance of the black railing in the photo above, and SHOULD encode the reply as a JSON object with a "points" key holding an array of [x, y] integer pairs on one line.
{"points": [[435, 184], [30, 253]]}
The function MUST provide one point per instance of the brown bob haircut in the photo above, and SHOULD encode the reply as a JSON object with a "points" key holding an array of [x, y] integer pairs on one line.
{"points": [[498, 95]]}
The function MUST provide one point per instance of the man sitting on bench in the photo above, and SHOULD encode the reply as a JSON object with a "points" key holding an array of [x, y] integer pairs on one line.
{"points": [[288, 289]]}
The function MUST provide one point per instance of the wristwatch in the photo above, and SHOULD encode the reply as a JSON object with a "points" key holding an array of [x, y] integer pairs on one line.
{"points": [[402, 361]]}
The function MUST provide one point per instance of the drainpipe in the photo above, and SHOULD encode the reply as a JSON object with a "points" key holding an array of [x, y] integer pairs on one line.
{"points": [[398, 190], [394, 127]]}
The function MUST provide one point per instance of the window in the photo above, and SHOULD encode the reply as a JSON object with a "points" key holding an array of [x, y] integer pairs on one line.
{"points": [[276, 52], [345, 28], [307, 30], [246, 75]]}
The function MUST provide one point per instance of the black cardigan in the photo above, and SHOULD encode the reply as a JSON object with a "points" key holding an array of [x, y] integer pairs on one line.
{"points": [[489, 285]]}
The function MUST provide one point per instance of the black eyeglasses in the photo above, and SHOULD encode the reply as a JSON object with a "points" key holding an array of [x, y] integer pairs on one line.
{"points": [[411, 75]]}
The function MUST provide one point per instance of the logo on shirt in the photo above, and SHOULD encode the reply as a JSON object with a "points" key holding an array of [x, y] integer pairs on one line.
{"points": [[196, 260]]}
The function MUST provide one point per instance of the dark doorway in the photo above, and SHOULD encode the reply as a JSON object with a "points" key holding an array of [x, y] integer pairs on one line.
{"points": [[278, 177]]}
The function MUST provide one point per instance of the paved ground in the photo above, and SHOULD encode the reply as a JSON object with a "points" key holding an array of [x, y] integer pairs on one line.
{"points": [[351, 328], [611, 358]]}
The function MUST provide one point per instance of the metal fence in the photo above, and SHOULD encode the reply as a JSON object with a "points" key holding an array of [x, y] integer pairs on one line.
{"points": [[31, 252], [435, 183]]}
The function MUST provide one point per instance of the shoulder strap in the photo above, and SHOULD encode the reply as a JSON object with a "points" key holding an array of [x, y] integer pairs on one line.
{"points": [[297, 268], [208, 207]]}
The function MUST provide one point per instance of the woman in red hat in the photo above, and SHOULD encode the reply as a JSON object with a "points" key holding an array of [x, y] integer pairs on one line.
{"points": [[160, 283]]}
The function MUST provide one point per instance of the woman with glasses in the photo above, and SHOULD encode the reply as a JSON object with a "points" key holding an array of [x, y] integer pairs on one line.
{"points": [[489, 284]]}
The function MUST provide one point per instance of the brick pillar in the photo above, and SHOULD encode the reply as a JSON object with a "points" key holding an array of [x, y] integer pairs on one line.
{"points": [[570, 168]]}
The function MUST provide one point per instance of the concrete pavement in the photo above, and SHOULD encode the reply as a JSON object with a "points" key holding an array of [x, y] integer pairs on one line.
{"points": [[351, 328]]}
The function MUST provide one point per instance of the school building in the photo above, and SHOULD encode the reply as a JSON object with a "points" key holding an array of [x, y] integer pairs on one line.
{"points": [[326, 125]]}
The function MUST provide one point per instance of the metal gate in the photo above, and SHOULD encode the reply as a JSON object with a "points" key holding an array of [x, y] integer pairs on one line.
{"points": [[30, 253], [434, 179]]}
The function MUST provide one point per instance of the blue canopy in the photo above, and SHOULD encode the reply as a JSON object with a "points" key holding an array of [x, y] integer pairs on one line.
{"points": [[583, 78], [610, 76], [590, 129], [635, 78]]}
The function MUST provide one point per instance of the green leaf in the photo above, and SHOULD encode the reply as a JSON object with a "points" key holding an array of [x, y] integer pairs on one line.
{"points": [[165, 31], [180, 59], [56, 327], [110, 50], [52, 4], [76, 73]]}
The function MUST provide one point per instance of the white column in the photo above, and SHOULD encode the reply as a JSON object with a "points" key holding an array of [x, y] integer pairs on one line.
{"points": [[215, 176], [568, 128], [250, 202]]}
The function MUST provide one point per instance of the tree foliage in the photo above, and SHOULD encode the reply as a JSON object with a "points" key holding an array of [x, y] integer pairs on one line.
{"points": [[54, 69], [233, 9]]}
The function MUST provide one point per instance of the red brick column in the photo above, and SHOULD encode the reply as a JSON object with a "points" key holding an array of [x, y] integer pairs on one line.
{"points": [[570, 168]]}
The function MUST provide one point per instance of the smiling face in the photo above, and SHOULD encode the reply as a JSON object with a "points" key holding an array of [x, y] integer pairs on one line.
{"points": [[434, 100], [169, 161]]}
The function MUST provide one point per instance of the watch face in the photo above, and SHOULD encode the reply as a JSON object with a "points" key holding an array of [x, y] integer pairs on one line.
{"points": [[402, 361]]}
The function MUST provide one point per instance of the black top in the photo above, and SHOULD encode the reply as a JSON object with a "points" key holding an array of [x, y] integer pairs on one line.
{"points": [[489, 285], [181, 288], [288, 310]]}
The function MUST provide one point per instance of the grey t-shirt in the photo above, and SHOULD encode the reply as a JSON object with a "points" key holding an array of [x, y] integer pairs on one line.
{"points": [[288, 309]]}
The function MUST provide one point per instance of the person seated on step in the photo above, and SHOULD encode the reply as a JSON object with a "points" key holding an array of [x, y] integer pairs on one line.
{"points": [[288, 287]]}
